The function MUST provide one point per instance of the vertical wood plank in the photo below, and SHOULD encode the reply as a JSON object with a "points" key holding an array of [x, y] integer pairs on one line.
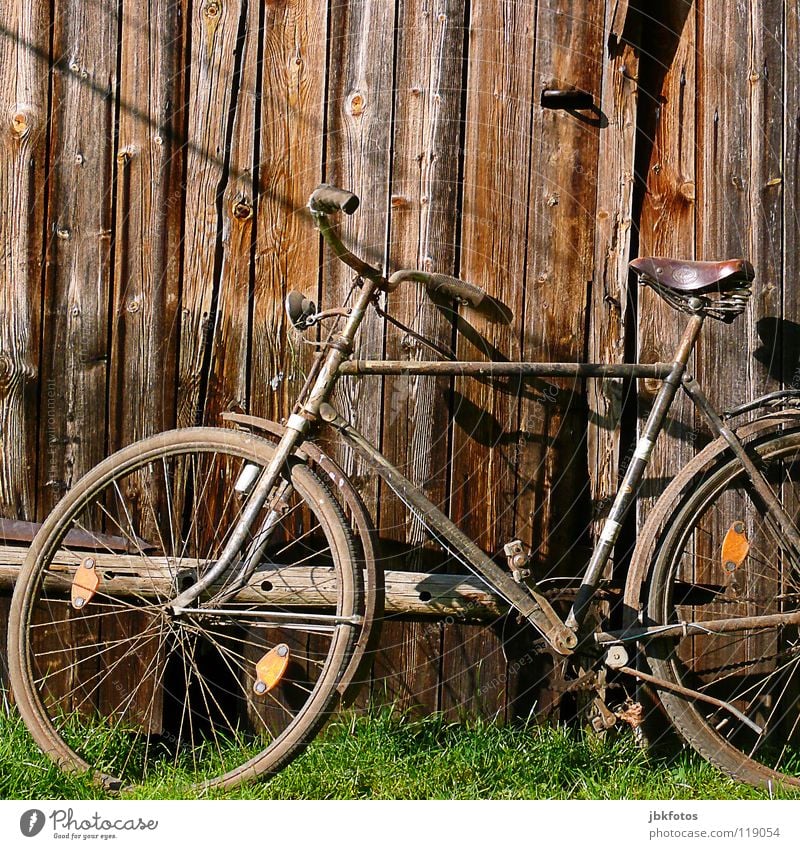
{"points": [[552, 501], [73, 423], [148, 235], [790, 294], [359, 131], [214, 88], [148, 226], [423, 235], [228, 380], [615, 180], [24, 48], [290, 167], [723, 228], [494, 217], [666, 169], [767, 249], [552, 494]]}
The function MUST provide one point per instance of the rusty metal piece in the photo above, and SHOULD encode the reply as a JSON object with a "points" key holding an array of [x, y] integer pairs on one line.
{"points": [[735, 547], [631, 712], [707, 626], [660, 683], [604, 718], [13, 530], [517, 560], [271, 669], [85, 583]]}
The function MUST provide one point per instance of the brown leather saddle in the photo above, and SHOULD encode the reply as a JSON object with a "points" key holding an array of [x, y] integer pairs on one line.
{"points": [[695, 278]]}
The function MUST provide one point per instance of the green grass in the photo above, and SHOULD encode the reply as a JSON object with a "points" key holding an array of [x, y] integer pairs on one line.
{"points": [[386, 756]]}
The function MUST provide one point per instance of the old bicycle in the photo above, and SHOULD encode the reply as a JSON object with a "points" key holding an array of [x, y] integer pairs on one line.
{"points": [[213, 592]]}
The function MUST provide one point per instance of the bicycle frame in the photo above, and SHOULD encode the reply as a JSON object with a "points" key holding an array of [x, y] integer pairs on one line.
{"points": [[312, 410]]}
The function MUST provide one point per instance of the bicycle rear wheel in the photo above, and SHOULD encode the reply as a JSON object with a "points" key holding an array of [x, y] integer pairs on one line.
{"points": [[718, 559], [108, 680]]}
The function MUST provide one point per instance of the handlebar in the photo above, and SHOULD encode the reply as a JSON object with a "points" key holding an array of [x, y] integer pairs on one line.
{"points": [[326, 199]]}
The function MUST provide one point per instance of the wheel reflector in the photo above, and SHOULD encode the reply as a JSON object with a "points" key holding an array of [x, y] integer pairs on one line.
{"points": [[271, 669], [735, 547], [85, 583]]}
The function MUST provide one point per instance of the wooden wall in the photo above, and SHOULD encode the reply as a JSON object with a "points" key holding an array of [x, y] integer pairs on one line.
{"points": [[155, 160]]}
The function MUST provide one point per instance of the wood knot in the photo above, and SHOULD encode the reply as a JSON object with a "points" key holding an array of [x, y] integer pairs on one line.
{"points": [[242, 208], [126, 154], [212, 13], [399, 202], [356, 104], [22, 121]]}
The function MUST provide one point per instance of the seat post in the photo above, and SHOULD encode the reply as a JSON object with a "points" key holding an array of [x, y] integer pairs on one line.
{"points": [[689, 338], [626, 494]]}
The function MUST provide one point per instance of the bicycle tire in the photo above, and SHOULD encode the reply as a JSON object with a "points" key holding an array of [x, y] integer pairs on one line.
{"points": [[756, 670], [121, 688]]}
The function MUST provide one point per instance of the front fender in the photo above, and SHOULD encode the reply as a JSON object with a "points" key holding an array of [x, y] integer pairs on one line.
{"points": [[358, 669]]}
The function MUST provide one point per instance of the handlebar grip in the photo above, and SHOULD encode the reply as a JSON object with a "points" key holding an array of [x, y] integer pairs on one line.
{"points": [[327, 199], [443, 283], [456, 288]]}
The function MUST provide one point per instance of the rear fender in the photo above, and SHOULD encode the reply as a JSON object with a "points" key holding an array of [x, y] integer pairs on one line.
{"points": [[667, 504]]}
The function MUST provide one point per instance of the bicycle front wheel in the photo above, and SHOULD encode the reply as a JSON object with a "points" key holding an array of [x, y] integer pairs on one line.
{"points": [[719, 559], [109, 680]]}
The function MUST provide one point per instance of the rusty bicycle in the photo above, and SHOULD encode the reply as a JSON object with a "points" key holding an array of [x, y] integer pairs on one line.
{"points": [[214, 592]]}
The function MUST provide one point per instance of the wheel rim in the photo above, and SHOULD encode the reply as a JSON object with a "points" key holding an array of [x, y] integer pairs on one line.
{"points": [[757, 670], [123, 687]]}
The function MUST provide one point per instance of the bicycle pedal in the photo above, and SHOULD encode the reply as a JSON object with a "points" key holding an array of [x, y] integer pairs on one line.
{"points": [[271, 669], [85, 583]]}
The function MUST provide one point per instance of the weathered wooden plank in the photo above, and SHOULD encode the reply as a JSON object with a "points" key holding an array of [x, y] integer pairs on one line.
{"points": [[73, 424], [766, 248], [214, 86], [423, 223], [615, 181], [422, 594], [148, 226], [723, 230], [290, 166], [494, 217], [666, 165], [724, 187], [24, 48], [560, 253], [228, 381], [790, 294], [358, 158], [553, 504], [151, 145]]}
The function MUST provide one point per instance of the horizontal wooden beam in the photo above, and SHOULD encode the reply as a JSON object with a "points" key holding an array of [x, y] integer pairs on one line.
{"points": [[417, 594]]}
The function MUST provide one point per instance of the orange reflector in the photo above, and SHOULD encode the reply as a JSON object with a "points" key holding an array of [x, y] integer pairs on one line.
{"points": [[735, 547], [85, 583], [271, 669]]}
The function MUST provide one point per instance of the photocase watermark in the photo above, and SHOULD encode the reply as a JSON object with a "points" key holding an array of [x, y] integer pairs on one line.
{"points": [[64, 824], [32, 822]]}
